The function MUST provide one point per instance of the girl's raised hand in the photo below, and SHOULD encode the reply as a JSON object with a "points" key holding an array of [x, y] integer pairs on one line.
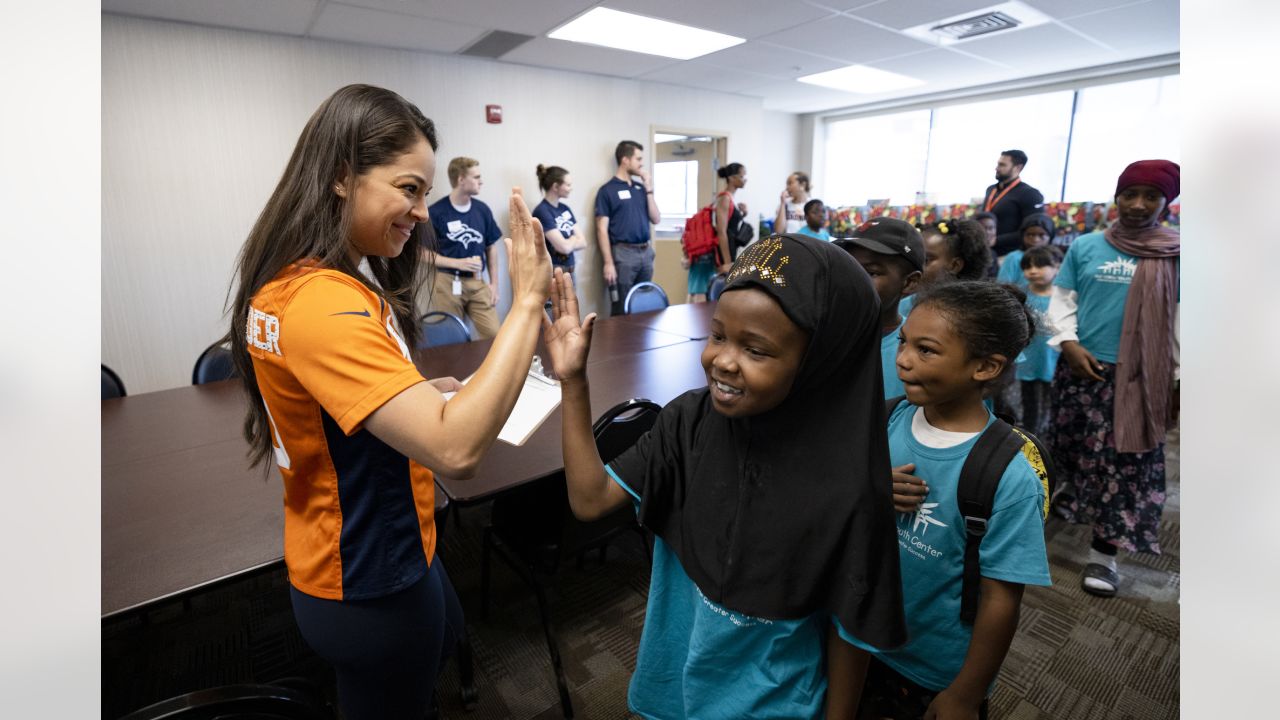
{"points": [[567, 338], [528, 262]]}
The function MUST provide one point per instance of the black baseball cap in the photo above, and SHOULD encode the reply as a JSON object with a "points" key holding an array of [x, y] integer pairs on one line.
{"points": [[888, 236]]}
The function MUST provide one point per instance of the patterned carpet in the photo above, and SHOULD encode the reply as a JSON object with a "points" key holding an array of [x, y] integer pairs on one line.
{"points": [[1075, 656]]}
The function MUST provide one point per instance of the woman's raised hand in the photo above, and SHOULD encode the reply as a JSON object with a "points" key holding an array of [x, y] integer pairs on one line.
{"points": [[567, 338], [528, 262]]}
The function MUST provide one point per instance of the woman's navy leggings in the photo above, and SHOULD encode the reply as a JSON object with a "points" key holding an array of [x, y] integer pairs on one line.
{"points": [[387, 651]]}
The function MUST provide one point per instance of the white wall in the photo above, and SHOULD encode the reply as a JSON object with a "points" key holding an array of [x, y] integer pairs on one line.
{"points": [[197, 124]]}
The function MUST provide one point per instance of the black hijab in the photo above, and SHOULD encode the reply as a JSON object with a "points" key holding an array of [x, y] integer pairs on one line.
{"points": [[788, 513]]}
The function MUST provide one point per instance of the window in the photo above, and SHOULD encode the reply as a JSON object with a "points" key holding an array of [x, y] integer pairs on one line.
{"points": [[876, 158], [1116, 125], [967, 140], [948, 154], [675, 188]]}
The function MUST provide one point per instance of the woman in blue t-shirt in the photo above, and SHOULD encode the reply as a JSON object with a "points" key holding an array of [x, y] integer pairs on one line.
{"points": [[558, 223], [1114, 312]]}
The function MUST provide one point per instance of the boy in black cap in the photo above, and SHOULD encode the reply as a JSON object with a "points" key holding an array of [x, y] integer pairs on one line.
{"points": [[892, 253]]}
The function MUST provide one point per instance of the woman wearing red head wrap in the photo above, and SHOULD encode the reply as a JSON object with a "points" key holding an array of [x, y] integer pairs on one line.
{"points": [[1114, 315]]}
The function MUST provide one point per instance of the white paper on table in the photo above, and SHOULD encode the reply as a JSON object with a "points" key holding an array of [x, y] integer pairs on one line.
{"points": [[537, 399]]}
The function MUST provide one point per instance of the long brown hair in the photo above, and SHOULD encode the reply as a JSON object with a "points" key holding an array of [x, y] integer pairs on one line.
{"points": [[356, 129]]}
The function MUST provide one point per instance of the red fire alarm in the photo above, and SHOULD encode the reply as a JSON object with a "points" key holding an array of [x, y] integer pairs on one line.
{"points": [[493, 113]]}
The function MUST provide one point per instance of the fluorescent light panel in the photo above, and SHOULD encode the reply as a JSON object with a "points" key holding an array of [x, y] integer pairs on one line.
{"points": [[637, 33], [861, 79]]}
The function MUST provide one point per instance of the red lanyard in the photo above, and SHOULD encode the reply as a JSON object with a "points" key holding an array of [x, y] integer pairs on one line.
{"points": [[992, 203]]}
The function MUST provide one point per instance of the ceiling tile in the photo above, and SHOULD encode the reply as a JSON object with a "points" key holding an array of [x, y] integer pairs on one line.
{"points": [[527, 18], [845, 39], [1062, 9], [565, 55], [901, 15], [742, 18], [694, 73], [386, 29], [1039, 50], [798, 97], [1136, 30], [290, 17], [942, 69], [770, 60]]}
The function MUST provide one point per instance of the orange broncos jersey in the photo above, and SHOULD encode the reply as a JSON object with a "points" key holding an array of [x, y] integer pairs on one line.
{"points": [[358, 515]]}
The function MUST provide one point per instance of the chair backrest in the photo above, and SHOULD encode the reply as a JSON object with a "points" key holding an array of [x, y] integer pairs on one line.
{"points": [[623, 424], [112, 385], [442, 328], [643, 297], [233, 702], [717, 287], [214, 364]]}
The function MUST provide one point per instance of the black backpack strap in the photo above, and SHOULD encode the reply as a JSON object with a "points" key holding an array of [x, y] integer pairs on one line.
{"points": [[892, 404], [979, 478]]}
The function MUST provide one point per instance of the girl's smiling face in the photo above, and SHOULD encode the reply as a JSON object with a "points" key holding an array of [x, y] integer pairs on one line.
{"points": [[752, 354], [388, 201], [934, 364]]}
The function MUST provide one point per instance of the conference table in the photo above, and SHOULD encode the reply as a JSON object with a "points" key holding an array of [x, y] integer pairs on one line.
{"points": [[182, 510]]}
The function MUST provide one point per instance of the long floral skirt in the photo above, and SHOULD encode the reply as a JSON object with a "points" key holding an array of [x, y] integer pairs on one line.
{"points": [[1120, 494]]}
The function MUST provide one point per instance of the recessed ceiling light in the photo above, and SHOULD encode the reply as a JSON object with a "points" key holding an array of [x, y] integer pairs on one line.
{"points": [[637, 33], [861, 79]]}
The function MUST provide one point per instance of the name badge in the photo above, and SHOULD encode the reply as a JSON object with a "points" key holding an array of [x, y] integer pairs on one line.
{"points": [[624, 194], [454, 226], [457, 286]]}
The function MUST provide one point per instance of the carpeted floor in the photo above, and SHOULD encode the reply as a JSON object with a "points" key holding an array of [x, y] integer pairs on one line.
{"points": [[1075, 656]]}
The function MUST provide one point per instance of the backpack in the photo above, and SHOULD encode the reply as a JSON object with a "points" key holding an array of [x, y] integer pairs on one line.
{"points": [[699, 237], [975, 493]]}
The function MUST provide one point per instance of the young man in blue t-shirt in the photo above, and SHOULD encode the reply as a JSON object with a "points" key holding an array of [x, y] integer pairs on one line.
{"points": [[465, 236], [624, 211]]}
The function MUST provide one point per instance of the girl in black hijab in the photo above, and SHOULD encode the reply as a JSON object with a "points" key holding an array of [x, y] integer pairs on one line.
{"points": [[768, 490]]}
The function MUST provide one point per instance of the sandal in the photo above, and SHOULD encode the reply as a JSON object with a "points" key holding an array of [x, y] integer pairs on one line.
{"points": [[1094, 571], [1061, 503]]}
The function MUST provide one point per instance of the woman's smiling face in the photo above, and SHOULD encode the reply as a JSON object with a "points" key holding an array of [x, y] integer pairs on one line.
{"points": [[389, 200]]}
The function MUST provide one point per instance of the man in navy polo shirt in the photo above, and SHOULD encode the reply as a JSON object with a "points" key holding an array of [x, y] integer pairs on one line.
{"points": [[624, 211], [465, 236]]}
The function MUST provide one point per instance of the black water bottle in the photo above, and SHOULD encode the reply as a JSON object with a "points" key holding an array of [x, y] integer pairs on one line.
{"points": [[613, 292]]}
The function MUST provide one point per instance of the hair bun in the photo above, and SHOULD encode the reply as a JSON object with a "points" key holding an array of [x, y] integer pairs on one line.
{"points": [[542, 170], [720, 172], [1017, 292]]}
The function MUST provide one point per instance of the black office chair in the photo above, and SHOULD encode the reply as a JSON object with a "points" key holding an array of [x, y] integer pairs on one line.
{"points": [[643, 297], [532, 527], [442, 328], [237, 702], [112, 385], [214, 364], [717, 287]]}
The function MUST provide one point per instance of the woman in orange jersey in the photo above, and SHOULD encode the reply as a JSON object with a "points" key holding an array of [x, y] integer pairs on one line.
{"points": [[321, 330]]}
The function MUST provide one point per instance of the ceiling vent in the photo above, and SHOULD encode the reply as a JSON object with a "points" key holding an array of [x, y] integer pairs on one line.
{"points": [[496, 44], [977, 25]]}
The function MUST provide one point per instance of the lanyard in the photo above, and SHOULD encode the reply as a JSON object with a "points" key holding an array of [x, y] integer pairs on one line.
{"points": [[992, 203]]}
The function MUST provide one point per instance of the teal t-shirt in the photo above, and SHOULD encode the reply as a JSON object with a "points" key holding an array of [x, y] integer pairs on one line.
{"points": [[1011, 270], [1100, 275], [821, 234], [1039, 360], [905, 305], [893, 387], [700, 660], [931, 549]]}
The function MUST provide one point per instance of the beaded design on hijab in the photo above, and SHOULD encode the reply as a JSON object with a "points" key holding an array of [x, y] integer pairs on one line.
{"points": [[763, 260]]}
